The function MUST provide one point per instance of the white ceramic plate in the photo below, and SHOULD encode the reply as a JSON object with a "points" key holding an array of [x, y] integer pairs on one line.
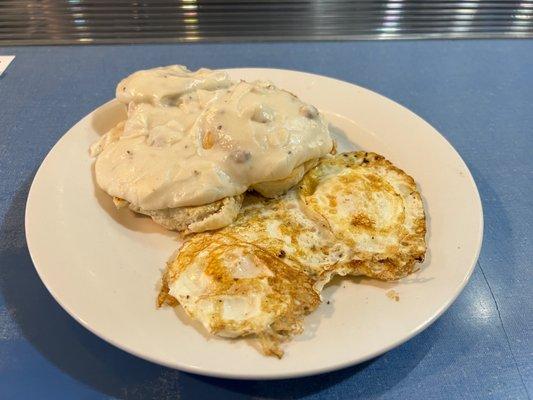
{"points": [[103, 266]]}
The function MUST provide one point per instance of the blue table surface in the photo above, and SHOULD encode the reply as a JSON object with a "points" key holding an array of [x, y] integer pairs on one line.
{"points": [[478, 94]]}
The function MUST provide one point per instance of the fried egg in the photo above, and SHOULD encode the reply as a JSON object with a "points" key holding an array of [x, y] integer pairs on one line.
{"points": [[237, 289], [354, 213], [283, 228], [372, 207]]}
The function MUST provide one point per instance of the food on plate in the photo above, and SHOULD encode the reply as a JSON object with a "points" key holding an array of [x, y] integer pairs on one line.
{"points": [[352, 214], [194, 142], [191, 148]]}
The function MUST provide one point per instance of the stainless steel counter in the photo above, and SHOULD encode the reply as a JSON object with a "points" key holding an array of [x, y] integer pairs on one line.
{"points": [[121, 21]]}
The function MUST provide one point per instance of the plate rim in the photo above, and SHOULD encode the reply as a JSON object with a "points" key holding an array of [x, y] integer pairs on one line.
{"points": [[273, 375]]}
